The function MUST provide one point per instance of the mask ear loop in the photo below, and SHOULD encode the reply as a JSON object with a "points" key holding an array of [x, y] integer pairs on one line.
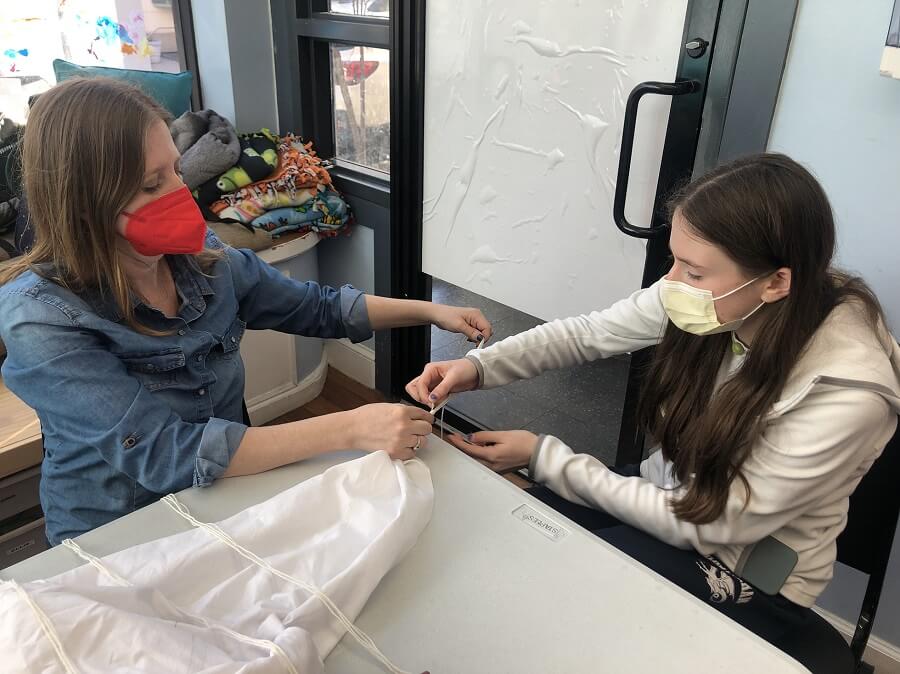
{"points": [[740, 287], [753, 311]]}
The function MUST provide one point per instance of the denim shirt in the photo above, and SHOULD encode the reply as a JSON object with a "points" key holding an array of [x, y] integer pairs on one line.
{"points": [[128, 417]]}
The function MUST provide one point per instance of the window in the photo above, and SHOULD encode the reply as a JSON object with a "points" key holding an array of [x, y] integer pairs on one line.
{"points": [[134, 34], [362, 105], [332, 61]]}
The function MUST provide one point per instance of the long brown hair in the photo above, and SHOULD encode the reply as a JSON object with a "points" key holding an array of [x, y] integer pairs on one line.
{"points": [[765, 212], [82, 163]]}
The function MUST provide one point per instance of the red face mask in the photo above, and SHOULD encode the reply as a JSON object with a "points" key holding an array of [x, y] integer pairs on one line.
{"points": [[170, 225]]}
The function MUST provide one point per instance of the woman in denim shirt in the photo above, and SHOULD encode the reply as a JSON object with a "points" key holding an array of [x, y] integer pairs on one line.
{"points": [[123, 323]]}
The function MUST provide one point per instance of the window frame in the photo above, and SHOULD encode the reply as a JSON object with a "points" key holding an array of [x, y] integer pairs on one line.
{"points": [[182, 13], [303, 32]]}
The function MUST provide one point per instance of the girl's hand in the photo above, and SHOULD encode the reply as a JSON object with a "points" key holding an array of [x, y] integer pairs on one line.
{"points": [[468, 322], [501, 451], [397, 429], [438, 380]]}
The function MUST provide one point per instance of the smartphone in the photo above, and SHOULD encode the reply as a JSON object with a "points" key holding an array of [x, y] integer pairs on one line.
{"points": [[768, 566]]}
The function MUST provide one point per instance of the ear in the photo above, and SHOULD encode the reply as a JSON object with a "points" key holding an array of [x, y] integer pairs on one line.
{"points": [[778, 286]]}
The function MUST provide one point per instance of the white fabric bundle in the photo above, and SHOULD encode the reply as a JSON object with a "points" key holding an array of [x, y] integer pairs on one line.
{"points": [[192, 602]]}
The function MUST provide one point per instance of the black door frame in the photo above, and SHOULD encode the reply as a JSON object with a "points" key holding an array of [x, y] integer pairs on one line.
{"points": [[696, 133], [401, 352]]}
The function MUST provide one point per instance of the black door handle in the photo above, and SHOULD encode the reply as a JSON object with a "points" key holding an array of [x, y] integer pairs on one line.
{"points": [[628, 124]]}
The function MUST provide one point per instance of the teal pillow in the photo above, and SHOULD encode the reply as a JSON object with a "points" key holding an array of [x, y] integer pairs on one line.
{"points": [[171, 90]]}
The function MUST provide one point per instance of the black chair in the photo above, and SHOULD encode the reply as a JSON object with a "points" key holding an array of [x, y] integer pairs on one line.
{"points": [[865, 545], [866, 542]]}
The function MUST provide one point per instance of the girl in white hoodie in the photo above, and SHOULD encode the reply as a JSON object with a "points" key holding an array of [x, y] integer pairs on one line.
{"points": [[773, 387]]}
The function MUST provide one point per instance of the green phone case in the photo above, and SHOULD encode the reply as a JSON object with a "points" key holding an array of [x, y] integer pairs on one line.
{"points": [[769, 565]]}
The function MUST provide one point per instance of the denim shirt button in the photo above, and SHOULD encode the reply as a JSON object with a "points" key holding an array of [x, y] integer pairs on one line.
{"points": [[201, 392], [181, 332], [129, 442]]}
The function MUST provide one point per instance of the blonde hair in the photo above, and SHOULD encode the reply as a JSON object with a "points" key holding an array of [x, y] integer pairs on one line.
{"points": [[82, 163]]}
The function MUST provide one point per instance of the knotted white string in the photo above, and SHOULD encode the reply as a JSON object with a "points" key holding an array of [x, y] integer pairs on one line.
{"points": [[443, 405], [265, 644], [46, 627], [361, 637]]}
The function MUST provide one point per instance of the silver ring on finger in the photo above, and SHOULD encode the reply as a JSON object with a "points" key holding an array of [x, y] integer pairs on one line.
{"points": [[418, 442]]}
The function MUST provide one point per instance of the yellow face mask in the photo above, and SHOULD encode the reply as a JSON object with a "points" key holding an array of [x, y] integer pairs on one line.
{"points": [[694, 310]]}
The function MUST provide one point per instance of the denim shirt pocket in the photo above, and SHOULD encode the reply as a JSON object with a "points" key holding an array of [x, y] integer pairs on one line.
{"points": [[231, 340], [155, 370]]}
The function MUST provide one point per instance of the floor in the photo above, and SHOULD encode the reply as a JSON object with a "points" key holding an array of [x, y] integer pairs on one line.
{"points": [[340, 393], [882, 663], [581, 405]]}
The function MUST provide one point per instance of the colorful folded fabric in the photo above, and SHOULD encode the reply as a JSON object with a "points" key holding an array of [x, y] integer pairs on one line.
{"points": [[325, 212], [299, 170], [257, 160]]}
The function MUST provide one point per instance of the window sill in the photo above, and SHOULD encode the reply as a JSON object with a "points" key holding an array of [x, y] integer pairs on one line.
{"points": [[358, 181]]}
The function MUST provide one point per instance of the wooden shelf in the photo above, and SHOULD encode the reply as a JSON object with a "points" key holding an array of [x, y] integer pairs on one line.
{"points": [[21, 445]]}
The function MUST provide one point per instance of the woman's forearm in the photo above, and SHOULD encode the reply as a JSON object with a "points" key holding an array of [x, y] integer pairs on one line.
{"points": [[267, 447], [386, 312]]}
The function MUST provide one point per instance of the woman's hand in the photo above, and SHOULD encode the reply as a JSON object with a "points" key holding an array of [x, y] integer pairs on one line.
{"points": [[501, 451], [438, 380], [397, 429], [466, 321]]}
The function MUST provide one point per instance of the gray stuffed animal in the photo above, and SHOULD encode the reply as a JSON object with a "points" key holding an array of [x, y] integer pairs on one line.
{"points": [[208, 145]]}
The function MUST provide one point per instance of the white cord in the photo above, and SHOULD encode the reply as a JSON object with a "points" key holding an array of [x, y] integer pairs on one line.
{"points": [[271, 646], [95, 562], [442, 406], [364, 639], [47, 628]]}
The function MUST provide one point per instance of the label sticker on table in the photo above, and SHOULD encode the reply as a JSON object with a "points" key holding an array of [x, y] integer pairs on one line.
{"points": [[542, 523]]}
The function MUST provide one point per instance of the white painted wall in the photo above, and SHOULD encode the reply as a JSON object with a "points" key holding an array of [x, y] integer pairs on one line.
{"points": [[213, 58], [839, 117], [351, 259], [236, 60], [252, 54]]}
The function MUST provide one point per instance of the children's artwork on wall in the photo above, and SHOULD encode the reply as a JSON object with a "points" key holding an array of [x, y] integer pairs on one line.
{"points": [[105, 33], [29, 39], [87, 32], [111, 33], [127, 36], [13, 55]]}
